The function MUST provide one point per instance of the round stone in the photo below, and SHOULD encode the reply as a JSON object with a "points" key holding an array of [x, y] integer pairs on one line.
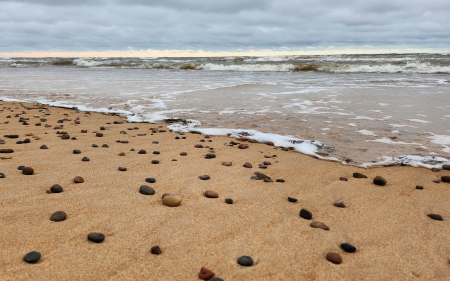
{"points": [[122, 154], [156, 152], [245, 261], [56, 188], [85, 159], [20, 168], [292, 199], [78, 179], [334, 258], [155, 161], [146, 190], [142, 151], [211, 194], [99, 135], [105, 145], [76, 151], [171, 200], [2, 175], [94, 145], [43, 147], [204, 177], [305, 214], [229, 201], [150, 180], [210, 155], [339, 204], [58, 216], [347, 247], [28, 171], [32, 257], [96, 237], [183, 153], [378, 180], [359, 176], [155, 250]]}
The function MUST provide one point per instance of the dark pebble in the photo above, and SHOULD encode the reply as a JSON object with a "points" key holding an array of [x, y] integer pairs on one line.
{"points": [[261, 176], [155, 161], [122, 169], [446, 167], [210, 156], [150, 180], [343, 179], [248, 165], [142, 151], [378, 180], [359, 176], [78, 179], [19, 142], [339, 204], [65, 137], [177, 138], [292, 199], [268, 180], [94, 145], [20, 168], [96, 237], [305, 214], [2, 175], [280, 180], [419, 187], [105, 145], [435, 217], [445, 178], [58, 216], [217, 279], [85, 159], [32, 257], [99, 135], [56, 188], [28, 171], [183, 153], [229, 201], [183, 138], [334, 258], [146, 190], [245, 261], [155, 142], [156, 152], [43, 147], [174, 159], [156, 250], [436, 181], [204, 177], [6, 151], [76, 151], [347, 247]]}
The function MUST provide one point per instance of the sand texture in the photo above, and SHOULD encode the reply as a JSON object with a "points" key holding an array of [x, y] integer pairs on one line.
{"points": [[389, 226]]}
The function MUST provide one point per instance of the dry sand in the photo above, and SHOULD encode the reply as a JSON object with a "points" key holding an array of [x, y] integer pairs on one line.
{"points": [[389, 226]]}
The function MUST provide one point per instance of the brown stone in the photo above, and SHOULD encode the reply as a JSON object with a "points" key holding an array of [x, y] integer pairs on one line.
{"points": [[343, 179], [242, 139], [6, 150], [270, 143], [28, 171], [318, 224], [253, 141], [122, 154], [226, 164], [334, 258], [166, 194], [84, 131], [78, 179], [339, 204], [205, 274], [268, 180], [211, 194], [142, 151], [198, 146], [242, 146], [171, 200], [248, 165], [99, 135]]}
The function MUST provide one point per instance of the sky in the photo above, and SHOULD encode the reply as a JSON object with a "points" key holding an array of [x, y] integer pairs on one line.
{"points": [[221, 27]]}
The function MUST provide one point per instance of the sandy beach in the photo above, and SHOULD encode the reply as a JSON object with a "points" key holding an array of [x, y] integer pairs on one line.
{"points": [[395, 239]]}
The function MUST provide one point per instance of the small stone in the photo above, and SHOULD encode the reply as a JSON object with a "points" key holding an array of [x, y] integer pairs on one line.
{"points": [[267, 163], [99, 135], [445, 178], [122, 154], [155, 250], [166, 194], [105, 145], [174, 159], [146, 190], [43, 147], [343, 179], [155, 142], [198, 146], [183, 153], [4, 150], [305, 214], [76, 151], [122, 169], [94, 145], [65, 137], [56, 188], [85, 159], [171, 200], [204, 177], [248, 165], [150, 180], [2, 175], [26, 141], [28, 171], [242, 146], [58, 216], [205, 274], [446, 167], [339, 204], [142, 151], [378, 180], [228, 164], [292, 199], [78, 179], [210, 155], [84, 131], [262, 167], [359, 176], [280, 180], [156, 152], [347, 247], [270, 143], [32, 257], [245, 261], [268, 180], [419, 187], [436, 181], [229, 201], [217, 279], [318, 224], [155, 161], [96, 237], [435, 217], [261, 176], [20, 168], [211, 194], [334, 258]]}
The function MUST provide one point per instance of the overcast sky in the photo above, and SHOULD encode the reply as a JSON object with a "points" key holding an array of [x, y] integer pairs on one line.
{"points": [[221, 25]]}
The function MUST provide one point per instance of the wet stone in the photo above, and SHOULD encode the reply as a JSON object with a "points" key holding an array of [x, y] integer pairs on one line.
{"points": [[261, 176], [262, 167], [205, 274], [446, 167], [267, 163], [155, 250], [56, 188], [292, 199], [211, 194], [378, 180], [359, 176], [96, 237], [435, 217], [267, 180], [20, 168], [334, 258], [78, 179], [32, 257], [28, 171], [347, 247], [248, 165], [4, 150], [142, 151], [245, 261], [65, 137], [99, 135], [146, 190], [150, 180], [122, 169], [210, 156], [58, 216], [318, 224], [229, 201], [307, 215], [339, 204], [204, 177], [198, 146]]}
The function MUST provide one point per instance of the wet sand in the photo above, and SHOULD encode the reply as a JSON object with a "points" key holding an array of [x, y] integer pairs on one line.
{"points": [[388, 225]]}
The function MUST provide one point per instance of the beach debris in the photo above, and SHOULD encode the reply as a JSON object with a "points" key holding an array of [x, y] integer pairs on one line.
{"points": [[334, 258]]}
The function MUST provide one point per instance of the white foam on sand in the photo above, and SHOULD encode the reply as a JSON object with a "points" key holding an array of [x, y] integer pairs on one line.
{"points": [[418, 121], [366, 132], [389, 141]]}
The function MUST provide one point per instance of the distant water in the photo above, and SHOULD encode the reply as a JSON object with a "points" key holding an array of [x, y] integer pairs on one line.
{"points": [[389, 109]]}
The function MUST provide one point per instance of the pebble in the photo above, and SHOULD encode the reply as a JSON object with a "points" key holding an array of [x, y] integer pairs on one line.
{"points": [[243, 146], [78, 179], [204, 177], [155, 250], [76, 151], [198, 146], [211, 194], [156, 152], [171, 200], [166, 194], [28, 171], [2, 141], [347, 247], [142, 151], [32, 257], [183, 153], [280, 180], [56, 188], [228, 164], [217, 279], [105, 145], [446, 167], [267, 163], [205, 274], [94, 145], [20, 168], [96, 237], [85, 159], [122, 169], [339, 204], [155, 142], [245, 261], [268, 180], [445, 178], [122, 154], [248, 165], [318, 224], [229, 201], [210, 156], [419, 187], [378, 180], [334, 258], [58, 216], [99, 135], [262, 167], [5, 150], [359, 176], [343, 179], [261, 176], [43, 147], [155, 161], [435, 217], [146, 190], [2, 175], [65, 137], [305, 214], [150, 180], [436, 181]]}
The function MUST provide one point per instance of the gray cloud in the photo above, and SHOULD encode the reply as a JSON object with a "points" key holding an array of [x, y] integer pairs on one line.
{"points": [[96, 25]]}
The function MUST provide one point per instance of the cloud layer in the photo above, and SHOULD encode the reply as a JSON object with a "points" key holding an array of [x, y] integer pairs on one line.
{"points": [[228, 25]]}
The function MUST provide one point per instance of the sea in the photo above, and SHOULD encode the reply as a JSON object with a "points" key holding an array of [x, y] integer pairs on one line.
{"points": [[364, 110]]}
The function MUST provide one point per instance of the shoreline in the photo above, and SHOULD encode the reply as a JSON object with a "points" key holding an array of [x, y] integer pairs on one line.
{"points": [[388, 225]]}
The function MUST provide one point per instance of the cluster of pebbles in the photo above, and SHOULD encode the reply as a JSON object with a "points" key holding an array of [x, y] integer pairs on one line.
{"points": [[174, 200]]}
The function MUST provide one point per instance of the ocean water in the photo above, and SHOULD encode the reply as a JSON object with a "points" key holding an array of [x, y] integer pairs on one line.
{"points": [[358, 109]]}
